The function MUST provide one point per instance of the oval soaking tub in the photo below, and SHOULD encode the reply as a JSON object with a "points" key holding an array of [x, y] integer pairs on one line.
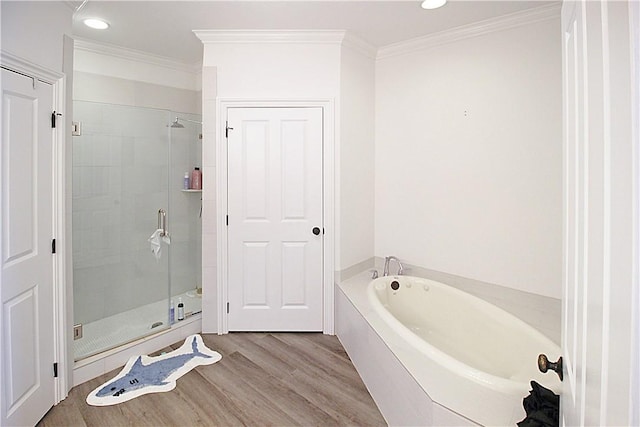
{"points": [[474, 358]]}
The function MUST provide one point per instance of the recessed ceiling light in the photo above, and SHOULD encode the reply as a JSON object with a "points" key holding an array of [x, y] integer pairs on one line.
{"points": [[433, 4], [96, 23]]}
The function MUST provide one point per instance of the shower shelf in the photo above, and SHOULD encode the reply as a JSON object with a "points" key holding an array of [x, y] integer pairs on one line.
{"points": [[191, 191]]}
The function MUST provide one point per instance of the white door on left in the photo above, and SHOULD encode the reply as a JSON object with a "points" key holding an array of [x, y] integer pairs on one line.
{"points": [[26, 212]]}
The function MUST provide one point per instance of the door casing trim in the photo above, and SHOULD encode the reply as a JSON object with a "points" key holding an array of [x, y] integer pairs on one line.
{"points": [[328, 200]]}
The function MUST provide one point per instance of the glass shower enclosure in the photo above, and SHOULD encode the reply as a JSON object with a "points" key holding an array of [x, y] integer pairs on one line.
{"points": [[128, 169]]}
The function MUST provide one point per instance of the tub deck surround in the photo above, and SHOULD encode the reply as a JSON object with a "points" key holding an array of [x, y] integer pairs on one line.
{"points": [[486, 398]]}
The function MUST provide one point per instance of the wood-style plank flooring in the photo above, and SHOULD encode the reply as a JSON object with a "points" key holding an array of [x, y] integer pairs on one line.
{"points": [[274, 379]]}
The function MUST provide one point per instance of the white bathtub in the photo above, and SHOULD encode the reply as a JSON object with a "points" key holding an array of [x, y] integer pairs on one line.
{"points": [[473, 358]]}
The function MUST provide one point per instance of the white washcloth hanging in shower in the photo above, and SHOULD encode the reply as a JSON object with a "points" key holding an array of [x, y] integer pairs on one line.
{"points": [[156, 240]]}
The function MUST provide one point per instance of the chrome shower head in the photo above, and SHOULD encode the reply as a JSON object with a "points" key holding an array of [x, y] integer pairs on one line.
{"points": [[176, 124]]}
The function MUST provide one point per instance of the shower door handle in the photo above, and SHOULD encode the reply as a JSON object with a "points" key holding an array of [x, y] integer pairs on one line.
{"points": [[162, 221]]}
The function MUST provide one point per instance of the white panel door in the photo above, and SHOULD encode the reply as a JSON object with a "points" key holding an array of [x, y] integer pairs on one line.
{"points": [[27, 260], [600, 269], [274, 205]]}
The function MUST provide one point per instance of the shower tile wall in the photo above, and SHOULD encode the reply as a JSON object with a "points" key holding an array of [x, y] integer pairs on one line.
{"points": [[120, 180]]}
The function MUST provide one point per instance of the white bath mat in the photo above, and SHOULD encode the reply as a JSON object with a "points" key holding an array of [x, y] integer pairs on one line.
{"points": [[146, 374]]}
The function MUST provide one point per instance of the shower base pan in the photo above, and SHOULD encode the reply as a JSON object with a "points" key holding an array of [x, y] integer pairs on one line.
{"points": [[122, 328]]}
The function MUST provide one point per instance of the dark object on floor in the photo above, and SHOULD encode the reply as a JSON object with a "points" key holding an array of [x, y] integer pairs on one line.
{"points": [[542, 407]]}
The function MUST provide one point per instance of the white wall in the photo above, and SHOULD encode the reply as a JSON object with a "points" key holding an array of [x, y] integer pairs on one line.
{"points": [[34, 30], [356, 171], [209, 205], [468, 157], [275, 70]]}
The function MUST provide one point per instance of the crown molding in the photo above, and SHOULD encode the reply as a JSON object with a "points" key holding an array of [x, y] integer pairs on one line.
{"points": [[20, 65], [338, 37], [270, 36], [475, 29], [359, 45], [135, 55], [71, 5]]}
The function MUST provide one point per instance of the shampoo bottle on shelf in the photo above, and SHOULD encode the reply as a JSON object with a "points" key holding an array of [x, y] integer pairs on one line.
{"points": [[172, 312], [196, 179], [185, 185]]}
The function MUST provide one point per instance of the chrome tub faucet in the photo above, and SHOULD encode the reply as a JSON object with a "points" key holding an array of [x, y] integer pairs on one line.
{"points": [[387, 260]]}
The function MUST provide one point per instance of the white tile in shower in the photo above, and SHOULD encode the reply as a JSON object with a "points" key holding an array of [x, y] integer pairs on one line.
{"points": [[91, 116], [115, 182], [76, 182], [144, 180], [88, 289], [99, 148], [146, 123], [100, 180], [117, 120], [127, 149], [179, 231], [78, 144], [150, 152], [149, 202], [114, 147]]}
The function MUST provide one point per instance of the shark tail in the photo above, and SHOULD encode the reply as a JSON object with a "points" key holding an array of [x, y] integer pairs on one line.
{"points": [[196, 352]]}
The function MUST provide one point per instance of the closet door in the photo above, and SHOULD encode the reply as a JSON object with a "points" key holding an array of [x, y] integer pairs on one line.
{"points": [[27, 348], [275, 219]]}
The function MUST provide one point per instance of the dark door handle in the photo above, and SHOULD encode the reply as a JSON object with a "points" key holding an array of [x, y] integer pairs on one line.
{"points": [[316, 230], [545, 365]]}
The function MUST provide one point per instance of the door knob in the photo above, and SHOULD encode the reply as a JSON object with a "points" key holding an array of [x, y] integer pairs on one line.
{"points": [[316, 230], [544, 365]]}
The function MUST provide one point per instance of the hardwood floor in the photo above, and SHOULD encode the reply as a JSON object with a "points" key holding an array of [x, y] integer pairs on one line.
{"points": [[275, 379]]}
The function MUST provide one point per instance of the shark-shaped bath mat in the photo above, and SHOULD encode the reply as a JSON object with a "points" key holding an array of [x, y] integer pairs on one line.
{"points": [[147, 374]]}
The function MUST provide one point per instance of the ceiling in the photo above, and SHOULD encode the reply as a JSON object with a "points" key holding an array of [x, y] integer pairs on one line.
{"points": [[164, 28]]}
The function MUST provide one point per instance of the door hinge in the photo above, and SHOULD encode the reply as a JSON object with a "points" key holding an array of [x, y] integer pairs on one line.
{"points": [[53, 119], [53, 246], [227, 129], [227, 219], [55, 370], [227, 308]]}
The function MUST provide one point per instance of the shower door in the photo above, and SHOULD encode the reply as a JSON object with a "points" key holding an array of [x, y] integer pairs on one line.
{"points": [[120, 182]]}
